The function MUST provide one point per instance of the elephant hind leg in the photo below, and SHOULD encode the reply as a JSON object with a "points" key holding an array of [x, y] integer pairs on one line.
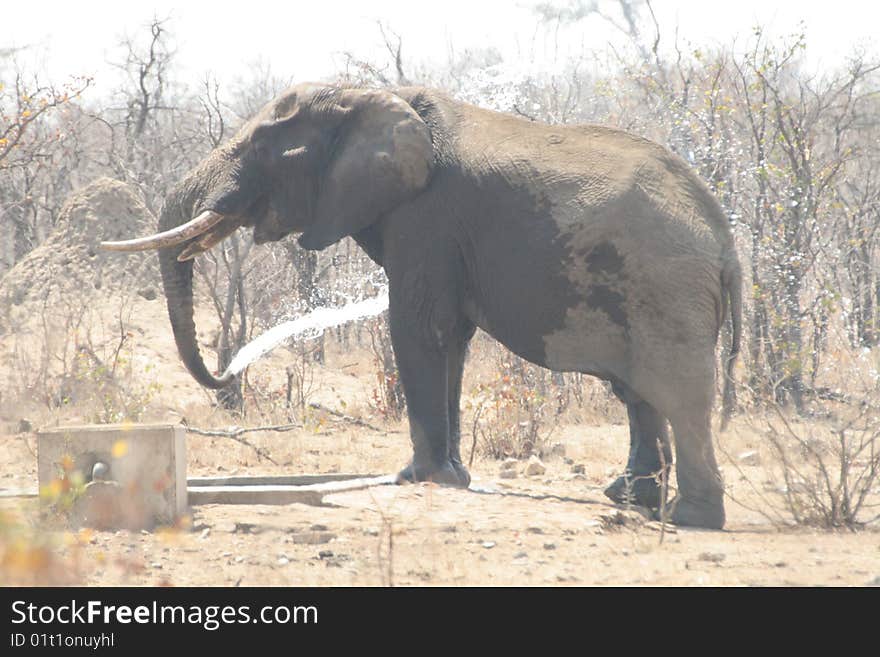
{"points": [[700, 499], [455, 359], [649, 453]]}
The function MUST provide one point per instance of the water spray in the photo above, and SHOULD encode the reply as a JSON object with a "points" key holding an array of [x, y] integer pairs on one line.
{"points": [[310, 325]]}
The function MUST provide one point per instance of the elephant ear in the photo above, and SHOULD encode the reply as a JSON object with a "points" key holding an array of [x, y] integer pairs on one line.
{"points": [[383, 158]]}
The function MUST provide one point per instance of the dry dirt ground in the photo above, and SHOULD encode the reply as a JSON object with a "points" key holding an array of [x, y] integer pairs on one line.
{"points": [[554, 528]]}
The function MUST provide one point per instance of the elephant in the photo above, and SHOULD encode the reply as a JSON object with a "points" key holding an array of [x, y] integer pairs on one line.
{"points": [[581, 248]]}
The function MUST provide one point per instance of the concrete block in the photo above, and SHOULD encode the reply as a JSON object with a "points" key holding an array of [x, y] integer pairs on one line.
{"points": [[245, 492], [139, 473]]}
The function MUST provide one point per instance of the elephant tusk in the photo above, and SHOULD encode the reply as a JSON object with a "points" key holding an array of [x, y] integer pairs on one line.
{"points": [[193, 228], [207, 241]]}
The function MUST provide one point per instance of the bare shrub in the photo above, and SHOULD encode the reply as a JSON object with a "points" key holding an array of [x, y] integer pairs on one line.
{"points": [[301, 383], [511, 411], [70, 361], [387, 398], [826, 473]]}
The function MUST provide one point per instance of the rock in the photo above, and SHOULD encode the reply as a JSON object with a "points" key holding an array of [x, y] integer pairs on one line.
{"points": [[283, 560], [508, 469], [632, 517], [579, 468], [557, 449], [712, 557], [25, 426], [549, 546], [535, 467], [488, 544], [311, 538], [874, 582], [749, 457], [509, 464]]}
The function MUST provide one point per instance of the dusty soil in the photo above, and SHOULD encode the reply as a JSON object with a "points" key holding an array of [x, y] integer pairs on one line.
{"points": [[552, 529], [555, 528]]}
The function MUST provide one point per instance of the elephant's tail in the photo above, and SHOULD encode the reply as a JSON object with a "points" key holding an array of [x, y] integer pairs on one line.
{"points": [[731, 288]]}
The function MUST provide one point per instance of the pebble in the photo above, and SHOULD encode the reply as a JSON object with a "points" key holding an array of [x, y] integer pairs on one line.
{"points": [[549, 546], [535, 467], [557, 449], [712, 557], [578, 468], [311, 538], [508, 469], [749, 457], [488, 544]]}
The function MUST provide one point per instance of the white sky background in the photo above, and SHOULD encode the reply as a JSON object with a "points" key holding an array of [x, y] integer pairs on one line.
{"points": [[304, 40]]}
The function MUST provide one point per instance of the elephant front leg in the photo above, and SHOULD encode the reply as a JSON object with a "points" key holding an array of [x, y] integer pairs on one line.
{"points": [[423, 366]]}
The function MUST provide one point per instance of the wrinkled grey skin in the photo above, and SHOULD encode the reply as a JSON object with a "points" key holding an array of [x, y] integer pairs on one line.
{"points": [[579, 248]]}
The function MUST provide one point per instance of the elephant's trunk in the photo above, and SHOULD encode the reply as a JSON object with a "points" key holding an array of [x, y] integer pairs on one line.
{"points": [[177, 280]]}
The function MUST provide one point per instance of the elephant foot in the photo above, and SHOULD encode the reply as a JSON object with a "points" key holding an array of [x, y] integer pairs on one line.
{"points": [[639, 490], [707, 514], [448, 474]]}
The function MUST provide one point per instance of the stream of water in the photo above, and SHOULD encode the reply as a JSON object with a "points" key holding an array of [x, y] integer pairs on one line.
{"points": [[310, 325]]}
